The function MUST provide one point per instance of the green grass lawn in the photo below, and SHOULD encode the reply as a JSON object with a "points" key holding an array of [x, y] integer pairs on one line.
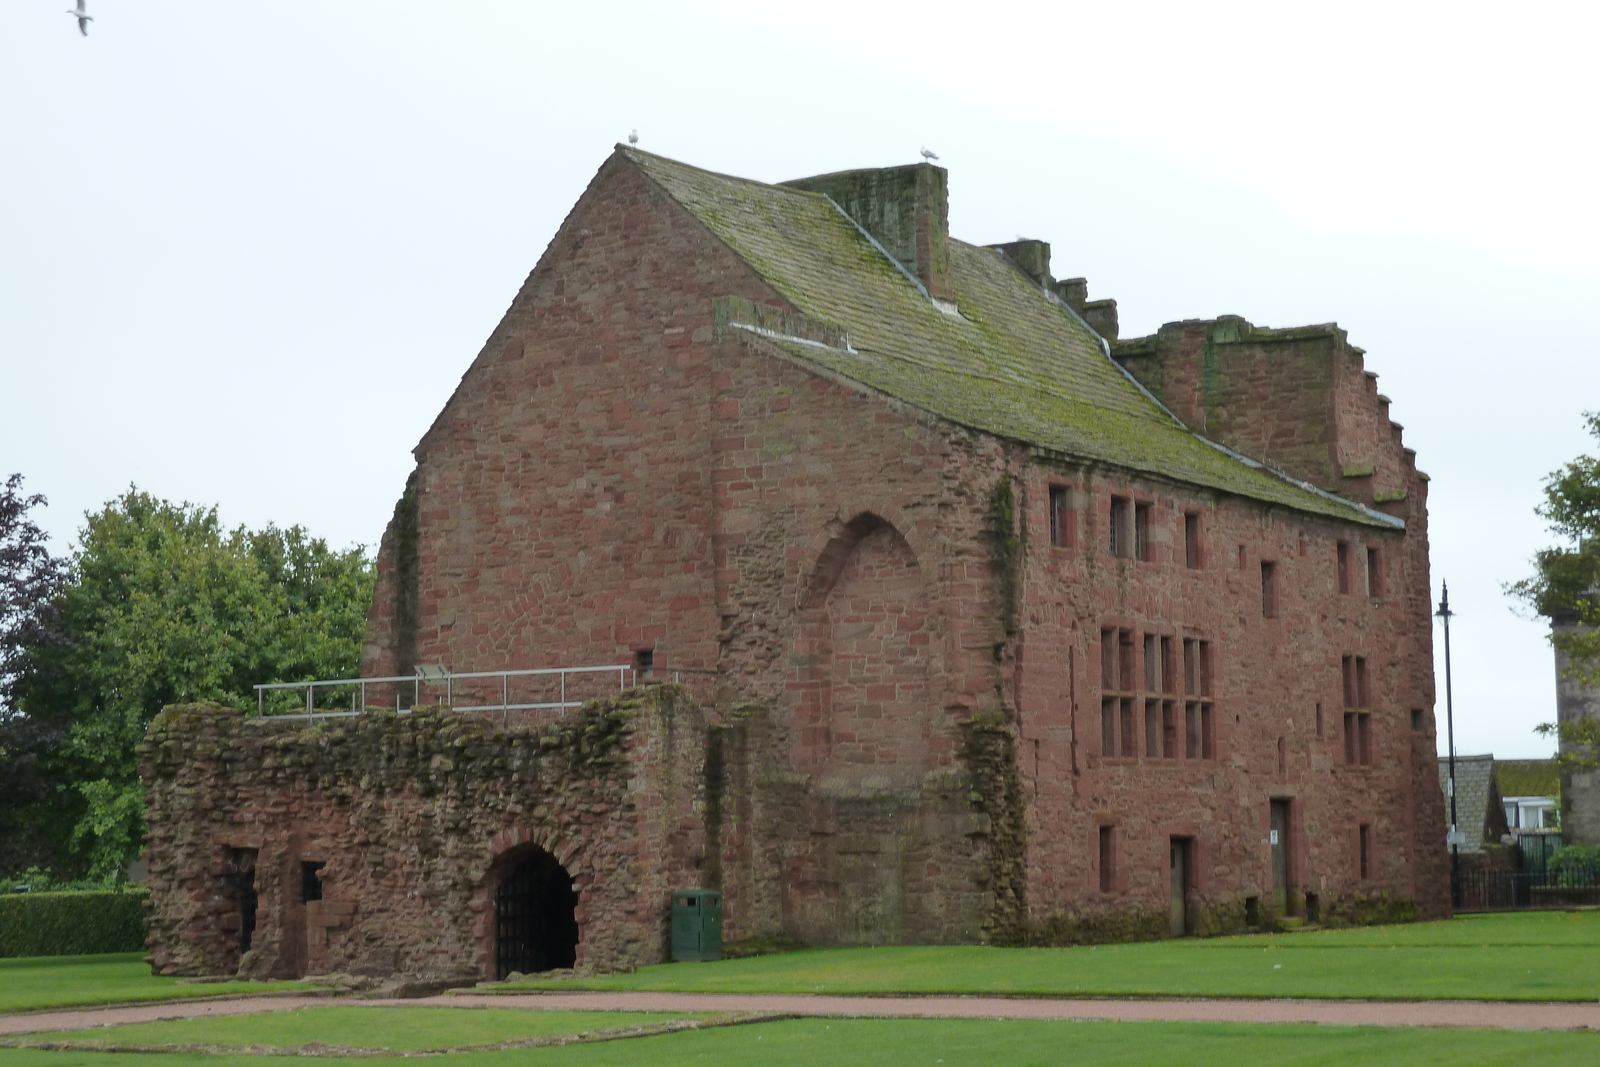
{"points": [[74, 981], [1537, 956], [979, 1043], [385, 1027]]}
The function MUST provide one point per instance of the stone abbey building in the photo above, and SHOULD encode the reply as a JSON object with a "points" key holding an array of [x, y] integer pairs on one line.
{"points": [[990, 624]]}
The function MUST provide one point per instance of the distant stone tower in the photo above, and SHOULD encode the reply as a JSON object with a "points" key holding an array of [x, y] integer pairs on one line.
{"points": [[1580, 790]]}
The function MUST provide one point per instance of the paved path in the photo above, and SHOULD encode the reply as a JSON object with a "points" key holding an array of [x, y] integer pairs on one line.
{"points": [[1494, 1014]]}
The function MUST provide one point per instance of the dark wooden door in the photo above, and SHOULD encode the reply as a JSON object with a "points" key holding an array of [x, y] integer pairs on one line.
{"points": [[1279, 839], [1181, 863]]}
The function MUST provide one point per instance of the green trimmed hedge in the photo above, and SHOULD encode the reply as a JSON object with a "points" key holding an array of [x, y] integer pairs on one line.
{"points": [[72, 923]]}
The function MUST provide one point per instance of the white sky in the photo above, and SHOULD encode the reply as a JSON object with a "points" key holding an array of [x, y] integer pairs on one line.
{"points": [[248, 248]]}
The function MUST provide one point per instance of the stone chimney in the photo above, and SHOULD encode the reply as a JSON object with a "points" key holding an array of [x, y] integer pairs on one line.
{"points": [[905, 209], [1033, 257]]}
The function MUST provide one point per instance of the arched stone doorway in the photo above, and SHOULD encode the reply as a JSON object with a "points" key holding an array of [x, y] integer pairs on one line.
{"points": [[536, 926]]}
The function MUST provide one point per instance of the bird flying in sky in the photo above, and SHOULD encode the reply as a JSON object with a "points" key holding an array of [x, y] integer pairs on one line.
{"points": [[83, 17]]}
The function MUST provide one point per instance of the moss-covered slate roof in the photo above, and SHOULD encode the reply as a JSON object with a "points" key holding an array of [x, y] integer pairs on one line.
{"points": [[1528, 777], [1017, 364]]}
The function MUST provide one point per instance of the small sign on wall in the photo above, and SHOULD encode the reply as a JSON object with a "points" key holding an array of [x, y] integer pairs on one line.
{"points": [[1272, 839]]}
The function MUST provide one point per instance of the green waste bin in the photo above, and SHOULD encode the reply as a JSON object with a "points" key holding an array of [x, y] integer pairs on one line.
{"points": [[696, 925]]}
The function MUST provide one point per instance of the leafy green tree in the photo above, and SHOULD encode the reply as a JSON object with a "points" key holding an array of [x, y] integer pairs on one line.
{"points": [[30, 579], [163, 607], [1566, 587]]}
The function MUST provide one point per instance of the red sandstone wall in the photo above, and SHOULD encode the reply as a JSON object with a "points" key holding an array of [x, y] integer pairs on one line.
{"points": [[613, 475], [412, 816]]}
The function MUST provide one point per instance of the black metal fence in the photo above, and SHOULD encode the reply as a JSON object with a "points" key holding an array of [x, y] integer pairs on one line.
{"points": [[1559, 886]]}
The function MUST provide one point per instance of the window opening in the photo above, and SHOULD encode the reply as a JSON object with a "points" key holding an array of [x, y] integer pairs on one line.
{"points": [[1060, 516], [1127, 727], [1169, 731], [1107, 859], [644, 661], [1417, 721], [1152, 663], [310, 881], [1319, 720], [1121, 534], [1365, 835], [1363, 700], [1141, 532], [1269, 590], [1191, 540], [1199, 733], [1374, 573], [1343, 551], [1153, 730]]}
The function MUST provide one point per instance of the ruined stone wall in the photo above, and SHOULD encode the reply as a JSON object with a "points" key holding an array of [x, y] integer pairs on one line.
{"points": [[860, 626], [1580, 790], [413, 816]]}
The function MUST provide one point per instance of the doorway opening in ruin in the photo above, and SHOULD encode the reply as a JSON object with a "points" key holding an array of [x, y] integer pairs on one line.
{"points": [[535, 906], [240, 884]]}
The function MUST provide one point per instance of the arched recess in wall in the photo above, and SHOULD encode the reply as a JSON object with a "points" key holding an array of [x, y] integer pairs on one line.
{"points": [[534, 924], [867, 658]]}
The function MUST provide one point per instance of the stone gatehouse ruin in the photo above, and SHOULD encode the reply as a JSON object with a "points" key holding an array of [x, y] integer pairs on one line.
{"points": [[954, 617]]}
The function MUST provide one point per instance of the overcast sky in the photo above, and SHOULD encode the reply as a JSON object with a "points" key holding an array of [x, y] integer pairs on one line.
{"points": [[247, 249]]}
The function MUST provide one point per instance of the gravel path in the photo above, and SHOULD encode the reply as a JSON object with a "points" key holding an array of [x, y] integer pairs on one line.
{"points": [[1493, 1014]]}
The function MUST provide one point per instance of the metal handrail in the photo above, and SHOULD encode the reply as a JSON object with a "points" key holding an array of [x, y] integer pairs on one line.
{"points": [[625, 677]]}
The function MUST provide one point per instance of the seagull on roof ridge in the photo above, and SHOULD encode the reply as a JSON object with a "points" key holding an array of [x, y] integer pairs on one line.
{"points": [[83, 17], [925, 153], [633, 135]]}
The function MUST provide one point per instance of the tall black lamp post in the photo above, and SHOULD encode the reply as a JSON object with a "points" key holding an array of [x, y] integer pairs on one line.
{"points": [[1444, 613]]}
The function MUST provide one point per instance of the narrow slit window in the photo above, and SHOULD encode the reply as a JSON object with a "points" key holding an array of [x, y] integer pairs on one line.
{"points": [[1418, 720], [1108, 659], [1347, 669], [310, 881], [1365, 847], [1152, 729], [1060, 516], [1343, 551], [1364, 738], [1192, 744], [1191, 540], [1363, 698], [1141, 532], [1128, 728], [1107, 859], [1169, 731], [1152, 663], [1350, 738], [1167, 668], [1125, 660], [1208, 742], [1269, 590], [1108, 726], [1374, 573]]}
